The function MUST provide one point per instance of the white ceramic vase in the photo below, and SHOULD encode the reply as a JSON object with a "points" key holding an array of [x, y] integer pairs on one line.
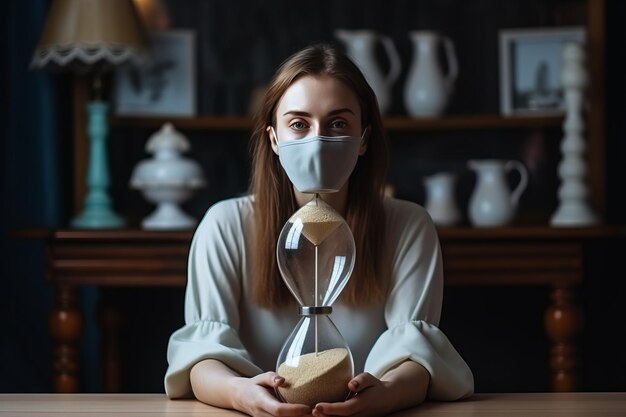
{"points": [[360, 45], [440, 199], [492, 203], [428, 89]]}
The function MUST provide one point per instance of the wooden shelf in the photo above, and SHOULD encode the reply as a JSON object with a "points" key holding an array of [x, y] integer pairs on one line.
{"points": [[473, 122], [395, 123], [445, 233], [521, 233], [236, 123]]}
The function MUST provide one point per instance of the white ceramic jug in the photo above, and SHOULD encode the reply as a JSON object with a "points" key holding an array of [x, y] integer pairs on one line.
{"points": [[492, 203], [360, 45], [440, 200], [428, 89]]}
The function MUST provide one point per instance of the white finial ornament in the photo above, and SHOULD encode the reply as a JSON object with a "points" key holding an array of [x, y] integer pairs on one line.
{"points": [[573, 209]]}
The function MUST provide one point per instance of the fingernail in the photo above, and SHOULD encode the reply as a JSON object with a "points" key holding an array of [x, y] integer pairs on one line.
{"points": [[355, 384], [278, 379], [319, 408]]}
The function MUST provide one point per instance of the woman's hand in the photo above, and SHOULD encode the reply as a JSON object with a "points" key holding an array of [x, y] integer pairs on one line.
{"points": [[403, 386], [216, 384], [366, 399], [255, 396]]}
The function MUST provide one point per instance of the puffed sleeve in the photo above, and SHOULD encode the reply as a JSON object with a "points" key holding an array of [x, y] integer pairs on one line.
{"points": [[413, 309], [211, 300]]}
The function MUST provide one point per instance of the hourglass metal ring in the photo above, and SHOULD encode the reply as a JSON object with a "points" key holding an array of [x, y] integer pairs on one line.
{"points": [[313, 311]]}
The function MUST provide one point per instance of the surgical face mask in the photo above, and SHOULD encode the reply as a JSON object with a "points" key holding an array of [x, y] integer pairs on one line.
{"points": [[319, 164]]}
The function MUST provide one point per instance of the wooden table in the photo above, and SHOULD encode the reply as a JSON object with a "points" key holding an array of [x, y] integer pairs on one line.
{"points": [[486, 256], [481, 405]]}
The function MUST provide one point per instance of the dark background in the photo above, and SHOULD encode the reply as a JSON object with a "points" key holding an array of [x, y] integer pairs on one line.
{"points": [[498, 330]]}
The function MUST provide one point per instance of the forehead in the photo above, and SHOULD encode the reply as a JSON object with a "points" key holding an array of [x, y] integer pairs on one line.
{"points": [[318, 94]]}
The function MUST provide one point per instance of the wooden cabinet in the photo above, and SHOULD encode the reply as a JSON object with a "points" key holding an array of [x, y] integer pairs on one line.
{"points": [[136, 258]]}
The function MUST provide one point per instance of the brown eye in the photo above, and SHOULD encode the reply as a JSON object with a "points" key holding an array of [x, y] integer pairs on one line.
{"points": [[339, 124]]}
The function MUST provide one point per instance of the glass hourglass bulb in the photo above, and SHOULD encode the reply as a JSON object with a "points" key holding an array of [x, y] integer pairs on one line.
{"points": [[315, 256]]}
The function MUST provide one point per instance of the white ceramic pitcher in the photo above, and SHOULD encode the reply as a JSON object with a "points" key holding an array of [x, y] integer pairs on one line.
{"points": [[428, 90], [360, 45], [492, 203], [440, 200]]}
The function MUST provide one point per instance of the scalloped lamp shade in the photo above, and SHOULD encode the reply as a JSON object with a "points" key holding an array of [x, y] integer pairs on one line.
{"points": [[92, 36], [89, 34]]}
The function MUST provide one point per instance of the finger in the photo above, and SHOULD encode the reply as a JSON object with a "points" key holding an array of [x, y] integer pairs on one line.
{"points": [[361, 382], [270, 379], [267, 403], [285, 410], [286, 413], [317, 413], [345, 408]]}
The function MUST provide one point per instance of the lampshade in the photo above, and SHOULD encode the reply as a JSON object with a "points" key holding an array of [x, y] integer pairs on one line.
{"points": [[89, 34]]}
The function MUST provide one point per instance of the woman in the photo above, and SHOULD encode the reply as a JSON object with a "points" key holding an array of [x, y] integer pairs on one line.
{"points": [[238, 311]]}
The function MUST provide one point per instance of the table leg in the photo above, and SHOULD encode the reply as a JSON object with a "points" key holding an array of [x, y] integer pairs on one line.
{"points": [[564, 322], [66, 326]]}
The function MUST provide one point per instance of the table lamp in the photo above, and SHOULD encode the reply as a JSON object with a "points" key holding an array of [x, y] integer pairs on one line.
{"points": [[92, 36]]}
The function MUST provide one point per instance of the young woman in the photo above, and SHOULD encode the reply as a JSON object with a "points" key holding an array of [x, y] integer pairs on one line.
{"points": [[239, 312]]}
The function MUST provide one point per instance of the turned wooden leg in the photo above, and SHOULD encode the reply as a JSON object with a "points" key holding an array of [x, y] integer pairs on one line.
{"points": [[564, 322], [66, 326]]}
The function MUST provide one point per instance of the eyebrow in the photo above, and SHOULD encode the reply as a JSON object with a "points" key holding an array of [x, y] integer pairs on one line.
{"points": [[305, 114]]}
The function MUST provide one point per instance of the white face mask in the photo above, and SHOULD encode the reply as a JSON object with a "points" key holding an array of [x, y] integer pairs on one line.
{"points": [[319, 164]]}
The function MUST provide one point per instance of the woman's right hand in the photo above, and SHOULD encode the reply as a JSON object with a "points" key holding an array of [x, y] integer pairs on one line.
{"points": [[216, 384], [256, 396]]}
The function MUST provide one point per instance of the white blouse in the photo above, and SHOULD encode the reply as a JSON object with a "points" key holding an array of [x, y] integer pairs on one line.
{"points": [[223, 322]]}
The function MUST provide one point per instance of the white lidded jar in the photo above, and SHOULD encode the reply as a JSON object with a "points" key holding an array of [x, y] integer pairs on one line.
{"points": [[167, 179]]}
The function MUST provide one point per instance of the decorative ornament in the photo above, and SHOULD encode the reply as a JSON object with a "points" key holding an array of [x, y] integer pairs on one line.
{"points": [[167, 179], [573, 209]]}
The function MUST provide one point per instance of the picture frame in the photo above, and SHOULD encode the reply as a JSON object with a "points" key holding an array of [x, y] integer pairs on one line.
{"points": [[530, 68], [166, 86]]}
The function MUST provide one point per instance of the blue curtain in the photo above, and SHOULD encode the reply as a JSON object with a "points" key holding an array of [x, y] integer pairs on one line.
{"points": [[32, 196]]}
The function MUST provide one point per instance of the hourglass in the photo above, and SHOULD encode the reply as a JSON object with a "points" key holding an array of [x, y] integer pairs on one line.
{"points": [[315, 254]]}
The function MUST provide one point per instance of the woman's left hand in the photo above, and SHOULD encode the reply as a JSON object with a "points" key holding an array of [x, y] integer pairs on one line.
{"points": [[367, 391], [401, 387]]}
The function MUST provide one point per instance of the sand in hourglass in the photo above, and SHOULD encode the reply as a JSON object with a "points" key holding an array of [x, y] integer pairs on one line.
{"points": [[318, 222], [316, 377]]}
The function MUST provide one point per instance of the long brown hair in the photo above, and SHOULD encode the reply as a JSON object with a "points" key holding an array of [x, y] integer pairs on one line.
{"points": [[274, 199]]}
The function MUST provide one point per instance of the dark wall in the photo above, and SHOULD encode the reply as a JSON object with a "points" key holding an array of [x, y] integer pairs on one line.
{"points": [[33, 158], [498, 330], [607, 290]]}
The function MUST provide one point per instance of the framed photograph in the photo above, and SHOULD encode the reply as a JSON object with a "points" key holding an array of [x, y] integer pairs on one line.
{"points": [[530, 69], [166, 86]]}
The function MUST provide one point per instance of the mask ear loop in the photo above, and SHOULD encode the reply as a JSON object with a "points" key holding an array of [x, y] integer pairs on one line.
{"points": [[273, 132], [365, 134], [363, 142]]}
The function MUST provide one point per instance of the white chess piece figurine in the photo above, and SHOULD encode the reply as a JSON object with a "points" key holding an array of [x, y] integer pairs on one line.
{"points": [[573, 209]]}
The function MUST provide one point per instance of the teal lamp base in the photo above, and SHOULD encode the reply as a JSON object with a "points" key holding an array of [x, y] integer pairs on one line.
{"points": [[98, 218], [98, 212]]}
